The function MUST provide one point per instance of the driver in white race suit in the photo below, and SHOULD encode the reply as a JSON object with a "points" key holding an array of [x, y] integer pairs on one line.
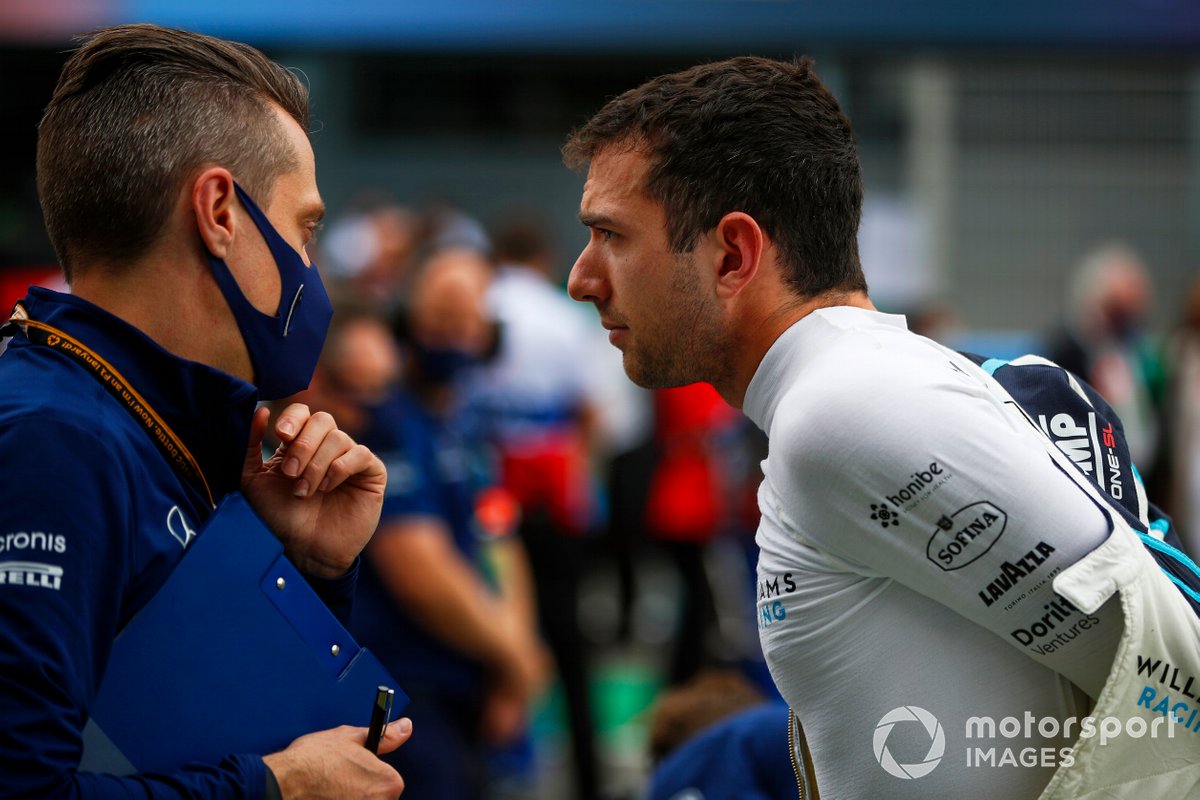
{"points": [[950, 581]]}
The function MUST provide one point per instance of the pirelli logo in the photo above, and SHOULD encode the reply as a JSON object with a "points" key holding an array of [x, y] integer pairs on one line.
{"points": [[30, 573]]}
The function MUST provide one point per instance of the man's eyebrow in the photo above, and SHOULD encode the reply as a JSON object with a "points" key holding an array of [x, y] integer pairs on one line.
{"points": [[595, 220]]}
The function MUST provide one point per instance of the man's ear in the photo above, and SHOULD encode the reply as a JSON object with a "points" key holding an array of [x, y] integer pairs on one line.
{"points": [[213, 201], [740, 242]]}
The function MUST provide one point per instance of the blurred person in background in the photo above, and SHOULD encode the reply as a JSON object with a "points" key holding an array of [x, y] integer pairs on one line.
{"points": [[371, 249], [1104, 342], [534, 401], [686, 506], [938, 320], [360, 366], [1181, 422], [717, 736], [447, 608]]}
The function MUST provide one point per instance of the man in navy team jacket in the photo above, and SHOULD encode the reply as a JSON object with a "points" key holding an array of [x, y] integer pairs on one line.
{"points": [[179, 191]]}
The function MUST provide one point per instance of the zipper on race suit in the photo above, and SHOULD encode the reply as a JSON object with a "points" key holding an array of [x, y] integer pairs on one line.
{"points": [[802, 763]]}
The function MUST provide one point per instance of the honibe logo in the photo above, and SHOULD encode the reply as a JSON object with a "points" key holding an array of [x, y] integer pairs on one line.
{"points": [[884, 515], [937, 742]]}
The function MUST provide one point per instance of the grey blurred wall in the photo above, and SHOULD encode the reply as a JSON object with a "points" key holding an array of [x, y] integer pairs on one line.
{"points": [[1013, 167]]}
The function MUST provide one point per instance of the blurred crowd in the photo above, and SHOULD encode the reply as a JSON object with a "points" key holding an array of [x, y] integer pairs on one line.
{"points": [[524, 467]]}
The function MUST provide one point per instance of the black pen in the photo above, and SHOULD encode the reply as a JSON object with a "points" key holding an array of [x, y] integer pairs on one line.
{"points": [[379, 717]]}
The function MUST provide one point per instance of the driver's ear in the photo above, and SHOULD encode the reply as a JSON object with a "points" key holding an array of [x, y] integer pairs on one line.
{"points": [[740, 243]]}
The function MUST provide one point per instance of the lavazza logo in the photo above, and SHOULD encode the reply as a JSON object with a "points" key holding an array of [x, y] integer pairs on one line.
{"points": [[1014, 572]]}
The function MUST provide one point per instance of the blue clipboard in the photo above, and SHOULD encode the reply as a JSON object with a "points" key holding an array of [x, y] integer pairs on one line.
{"points": [[235, 654]]}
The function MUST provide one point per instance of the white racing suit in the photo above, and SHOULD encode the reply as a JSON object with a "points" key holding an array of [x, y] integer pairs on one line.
{"points": [[931, 598]]}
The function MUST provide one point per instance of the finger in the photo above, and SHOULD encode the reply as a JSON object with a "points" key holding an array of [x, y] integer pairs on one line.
{"points": [[396, 734], [357, 462], [306, 441], [258, 432], [335, 445], [291, 420]]}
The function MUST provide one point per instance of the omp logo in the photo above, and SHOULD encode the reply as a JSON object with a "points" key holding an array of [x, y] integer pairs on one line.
{"points": [[966, 535], [177, 524], [1093, 451], [1072, 438], [933, 728], [29, 573]]}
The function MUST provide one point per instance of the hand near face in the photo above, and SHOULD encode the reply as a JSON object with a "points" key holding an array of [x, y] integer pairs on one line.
{"points": [[320, 492]]}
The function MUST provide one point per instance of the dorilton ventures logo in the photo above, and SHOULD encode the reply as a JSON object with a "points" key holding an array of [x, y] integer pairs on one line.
{"points": [[907, 714], [1058, 627], [966, 535]]}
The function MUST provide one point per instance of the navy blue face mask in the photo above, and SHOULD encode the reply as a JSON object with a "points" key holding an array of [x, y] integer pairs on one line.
{"points": [[283, 348]]}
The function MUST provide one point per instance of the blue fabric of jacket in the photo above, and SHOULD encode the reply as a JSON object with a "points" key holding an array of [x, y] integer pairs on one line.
{"points": [[743, 757], [93, 519]]}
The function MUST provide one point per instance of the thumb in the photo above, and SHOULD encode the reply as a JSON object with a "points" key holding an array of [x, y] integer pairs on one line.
{"points": [[258, 431], [397, 733]]}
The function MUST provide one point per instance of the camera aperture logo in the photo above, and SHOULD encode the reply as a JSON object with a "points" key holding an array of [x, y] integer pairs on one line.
{"points": [[937, 742]]}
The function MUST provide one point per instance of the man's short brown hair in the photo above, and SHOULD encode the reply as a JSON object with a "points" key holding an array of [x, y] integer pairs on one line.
{"points": [[137, 110], [746, 134]]}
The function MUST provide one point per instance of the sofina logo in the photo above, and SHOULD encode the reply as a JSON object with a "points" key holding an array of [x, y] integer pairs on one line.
{"points": [[937, 742], [966, 535]]}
